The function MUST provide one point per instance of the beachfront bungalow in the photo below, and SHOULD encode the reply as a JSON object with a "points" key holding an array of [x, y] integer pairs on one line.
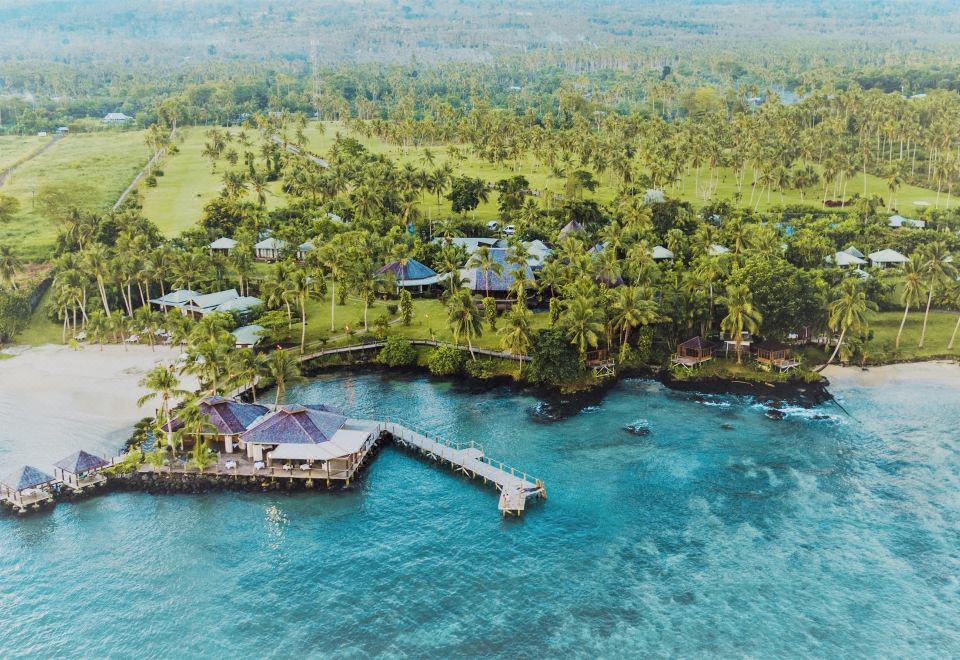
{"points": [[898, 221], [27, 487], [884, 258], [241, 306], [80, 470], [200, 305], [222, 246], [229, 419], [248, 336], [730, 342], [694, 352], [773, 355], [303, 249], [481, 281], [411, 275], [660, 253], [176, 299], [268, 249]]}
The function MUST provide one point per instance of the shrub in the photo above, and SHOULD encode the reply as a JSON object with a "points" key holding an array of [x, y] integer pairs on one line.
{"points": [[392, 309], [481, 368], [151, 181], [490, 312], [397, 352], [446, 361], [554, 360], [406, 307]]}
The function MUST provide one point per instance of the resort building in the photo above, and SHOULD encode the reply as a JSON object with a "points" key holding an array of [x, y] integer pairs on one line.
{"points": [[483, 281], [309, 435], [898, 221], [303, 249], [222, 246], [660, 253], [539, 253], [268, 249], [888, 257], [116, 118], [228, 419], [411, 275], [716, 250], [248, 336], [199, 305], [845, 259], [773, 355], [80, 470], [571, 227], [26, 487], [177, 298], [471, 245]]}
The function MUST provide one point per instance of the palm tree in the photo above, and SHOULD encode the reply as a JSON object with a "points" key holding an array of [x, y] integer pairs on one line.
{"points": [[937, 268], [465, 319], [632, 306], [9, 265], [912, 290], [284, 369], [741, 315], [583, 323], [164, 384], [516, 334], [484, 260], [848, 313], [302, 285], [97, 261], [202, 457], [246, 366]]}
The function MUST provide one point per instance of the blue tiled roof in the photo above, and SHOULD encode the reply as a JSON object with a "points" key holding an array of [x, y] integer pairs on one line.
{"points": [[27, 477], [414, 270], [477, 278], [80, 462], [294, 425]]}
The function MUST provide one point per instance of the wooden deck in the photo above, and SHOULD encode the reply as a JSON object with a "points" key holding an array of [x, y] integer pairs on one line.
{"points": [[26, 499], [515, 486]]}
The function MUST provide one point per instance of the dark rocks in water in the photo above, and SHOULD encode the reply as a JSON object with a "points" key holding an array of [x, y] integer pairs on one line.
{"points": [[819, 417], [726, 426], [773, 413], [640, 427]]}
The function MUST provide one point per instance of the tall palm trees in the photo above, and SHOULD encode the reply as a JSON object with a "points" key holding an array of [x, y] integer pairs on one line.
{"points": [[912, 290], [301, 285], [162, 383], [10, 264], [938, 269], [484, 259], [516, 334], [583, 323], [465, 319], [284, 369], [741, 315], [848, 313], [632, 307]]}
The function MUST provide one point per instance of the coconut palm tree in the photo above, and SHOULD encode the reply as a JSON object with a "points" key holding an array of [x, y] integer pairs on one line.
{"points": [[912, 290], [938, 269], [484, 260], [301, 285], [632, 307], [465, 320], [741, 315], [284, 369], [955, 298], [583, 323], [96, 259], [10, 263], [163, 384], [516, 333], [245, 366], [848, 313]]}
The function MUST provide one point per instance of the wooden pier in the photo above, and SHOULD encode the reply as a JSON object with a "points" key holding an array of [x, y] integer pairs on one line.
{"points": [[468, 458]]}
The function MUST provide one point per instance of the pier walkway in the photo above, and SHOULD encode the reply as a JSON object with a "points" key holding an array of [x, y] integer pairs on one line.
{"points": [[376, 345], [468, 458]]}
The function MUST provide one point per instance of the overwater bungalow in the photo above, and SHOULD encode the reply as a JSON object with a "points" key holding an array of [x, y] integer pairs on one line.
{"points": [[80, 470], [774, 355], [229, 418], [27, 487], [694, 352]]}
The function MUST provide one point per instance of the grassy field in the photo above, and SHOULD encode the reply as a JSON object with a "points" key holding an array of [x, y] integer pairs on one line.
{"points": [[188, 185], [94, 167], [541, 178], [14, 148]]}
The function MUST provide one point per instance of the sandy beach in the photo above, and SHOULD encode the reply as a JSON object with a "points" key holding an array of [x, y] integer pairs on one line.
{"points": [[938, 373], [54, 400]]}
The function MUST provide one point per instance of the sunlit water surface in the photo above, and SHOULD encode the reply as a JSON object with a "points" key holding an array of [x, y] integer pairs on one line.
{"points": [[722, 532]]}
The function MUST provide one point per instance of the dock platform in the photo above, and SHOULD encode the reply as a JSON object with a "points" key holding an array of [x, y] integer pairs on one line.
{"points": [[468, 458]]}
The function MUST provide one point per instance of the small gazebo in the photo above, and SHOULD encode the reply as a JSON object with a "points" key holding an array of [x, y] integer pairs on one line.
{"points": [[80, 470], [774, 355], [694, 352], [26, 487]]}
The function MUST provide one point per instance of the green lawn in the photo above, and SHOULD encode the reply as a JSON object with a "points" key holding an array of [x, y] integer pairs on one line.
{"points": [[14, 148], [886, 324], [41, 330], [188, 184], [96, 167]]}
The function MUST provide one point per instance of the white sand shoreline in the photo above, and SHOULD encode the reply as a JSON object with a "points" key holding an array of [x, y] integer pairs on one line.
{"points": [[904, 374], [54, 400]]}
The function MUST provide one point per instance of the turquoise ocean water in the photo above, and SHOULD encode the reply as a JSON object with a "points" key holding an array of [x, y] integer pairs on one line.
{"points": [[720, 533]]}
